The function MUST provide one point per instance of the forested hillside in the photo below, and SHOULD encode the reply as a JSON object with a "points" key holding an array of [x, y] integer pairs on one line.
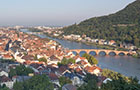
{"points": [[123, 26]]}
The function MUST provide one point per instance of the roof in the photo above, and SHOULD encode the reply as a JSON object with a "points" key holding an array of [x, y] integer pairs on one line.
{"points": [[112, 41], [69, 87], [53, 57], [92, 68], [76, 57], [78, 69], [7, 56], [5, 79], [28, 57], [35, 65], [3, 70], [106, 80], [21, 78], [69, 75], [62, 69], [82, 62], [53, 76], [82, 58]]}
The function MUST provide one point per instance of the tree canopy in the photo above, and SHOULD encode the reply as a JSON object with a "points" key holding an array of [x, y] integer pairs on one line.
{"points": [[119, 82], [20, 70], [37, 82], [64, 80], [43, 59], [66, 61], [123, 26], [91, 59], [3, 87]]}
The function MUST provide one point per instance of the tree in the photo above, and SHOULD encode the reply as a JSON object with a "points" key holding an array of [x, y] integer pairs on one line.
{"points": [[119, 81], [71, 60], [133, 80], [91, 85], [121, 26], [64, 80], [90, 77], [3, 87], [36, 57], [18, 86], [111, 74], [91, 59], [66, 61], [136, 41], [12, 73], [90, 82], [20, 70], [120, 84], [43, 59], [87, 56], [37, 82]]}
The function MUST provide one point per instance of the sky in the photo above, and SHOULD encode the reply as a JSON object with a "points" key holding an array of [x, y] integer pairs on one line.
{"points": [[55, 12]]}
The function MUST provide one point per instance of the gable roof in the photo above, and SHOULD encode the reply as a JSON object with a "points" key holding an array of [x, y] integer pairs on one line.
{"points": [[53, 57], [62, 69], [5, 79], [69, 87], [28, 57], [53, 76]]}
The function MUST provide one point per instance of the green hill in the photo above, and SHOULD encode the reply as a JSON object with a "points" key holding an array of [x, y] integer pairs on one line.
{"points": [[122, 26]]}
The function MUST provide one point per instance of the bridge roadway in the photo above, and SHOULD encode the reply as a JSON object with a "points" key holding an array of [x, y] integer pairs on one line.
{"points": [[98, 51]]}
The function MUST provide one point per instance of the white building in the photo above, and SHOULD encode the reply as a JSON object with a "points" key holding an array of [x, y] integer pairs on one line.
{"points": [[4, 80], [2, 72]]}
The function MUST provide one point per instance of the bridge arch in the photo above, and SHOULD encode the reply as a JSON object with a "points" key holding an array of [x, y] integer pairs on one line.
{"points": [[121, 54], [112, 53], [93, 53], [102, 53], [75, 53], [82, 52], [128, 54]]}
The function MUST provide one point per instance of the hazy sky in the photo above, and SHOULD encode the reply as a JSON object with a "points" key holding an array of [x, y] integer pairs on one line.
{"points": [[55, 12]]}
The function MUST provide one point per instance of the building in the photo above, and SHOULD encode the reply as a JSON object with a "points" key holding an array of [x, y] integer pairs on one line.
{"points": [[69, 87], [4, 80]]}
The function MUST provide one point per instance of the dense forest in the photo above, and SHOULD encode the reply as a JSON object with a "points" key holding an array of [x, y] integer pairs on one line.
{"points": [[122, 26]]}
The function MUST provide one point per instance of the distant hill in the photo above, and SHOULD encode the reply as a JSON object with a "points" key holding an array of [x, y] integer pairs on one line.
{"points": [[122, 26]]}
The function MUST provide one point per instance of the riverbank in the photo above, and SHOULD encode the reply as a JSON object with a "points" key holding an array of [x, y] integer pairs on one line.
{"points": [[136, 56], [89, 43], [101, 46]]}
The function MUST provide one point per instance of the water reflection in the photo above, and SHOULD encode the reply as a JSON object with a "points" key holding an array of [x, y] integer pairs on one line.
{"points": [[93, 53], [112, 54], [102, 53]]}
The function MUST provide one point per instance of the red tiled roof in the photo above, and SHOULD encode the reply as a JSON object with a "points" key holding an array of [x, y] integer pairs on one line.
{"points": [[53, 76], [91, 69], [112, 41], [7, 56], [82, 58], [78, 69]]}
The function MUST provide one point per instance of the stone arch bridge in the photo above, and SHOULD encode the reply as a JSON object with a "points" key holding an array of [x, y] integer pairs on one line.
{"points": [[98, 51]]}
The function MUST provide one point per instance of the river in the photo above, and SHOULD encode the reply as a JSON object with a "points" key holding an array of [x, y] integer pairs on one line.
{"points": [[125, 65]]}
